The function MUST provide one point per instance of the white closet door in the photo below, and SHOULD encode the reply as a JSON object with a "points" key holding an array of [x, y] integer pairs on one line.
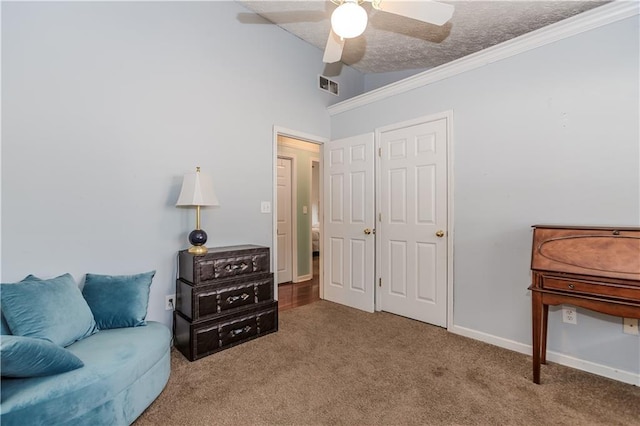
{"points": [[413, 245], [349, 243]]}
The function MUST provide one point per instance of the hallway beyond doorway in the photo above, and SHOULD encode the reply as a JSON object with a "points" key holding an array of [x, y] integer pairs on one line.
{"points": [[292, 295]]}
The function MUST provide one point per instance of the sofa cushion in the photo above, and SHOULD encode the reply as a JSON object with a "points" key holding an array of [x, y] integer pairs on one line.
{"points": [[28, 357], [52, 309], [114, 362], [118, 300], [4, 327]]}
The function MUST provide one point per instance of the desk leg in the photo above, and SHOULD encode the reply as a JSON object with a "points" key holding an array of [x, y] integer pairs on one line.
{"points": [[536, 319], [543, 343]]}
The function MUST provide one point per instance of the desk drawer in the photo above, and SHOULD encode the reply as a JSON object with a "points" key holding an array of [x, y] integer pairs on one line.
{"points": [[620, 291]]}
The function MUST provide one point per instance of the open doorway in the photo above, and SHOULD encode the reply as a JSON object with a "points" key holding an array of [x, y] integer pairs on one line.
{"points": [[298, 221]]}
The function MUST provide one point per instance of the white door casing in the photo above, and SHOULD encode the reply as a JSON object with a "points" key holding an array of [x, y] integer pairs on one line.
{"points": [[284, 228], [349, 252], [413, 181]]}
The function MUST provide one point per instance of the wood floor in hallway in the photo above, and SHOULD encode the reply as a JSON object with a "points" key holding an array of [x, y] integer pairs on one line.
{"points": [[291, 295]]}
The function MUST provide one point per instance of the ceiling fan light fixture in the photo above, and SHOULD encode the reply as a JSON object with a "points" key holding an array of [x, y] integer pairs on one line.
{"points": [[349, 20]]}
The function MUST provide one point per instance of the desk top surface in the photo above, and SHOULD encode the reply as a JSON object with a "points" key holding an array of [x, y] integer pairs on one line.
{"points": [[607, 252]]}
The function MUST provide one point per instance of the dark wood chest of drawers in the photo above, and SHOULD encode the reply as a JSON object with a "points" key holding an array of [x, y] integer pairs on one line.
{"points": [[223, 298]]}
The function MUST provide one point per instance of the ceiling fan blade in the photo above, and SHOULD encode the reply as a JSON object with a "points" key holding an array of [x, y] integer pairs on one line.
{"points": [[432, 12], [333, 50]]}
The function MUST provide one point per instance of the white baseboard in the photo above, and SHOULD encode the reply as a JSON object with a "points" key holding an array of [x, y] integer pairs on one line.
{"points": [[562, 359], [301, 278]]}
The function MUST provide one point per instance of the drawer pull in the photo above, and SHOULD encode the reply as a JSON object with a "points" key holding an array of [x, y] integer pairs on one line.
{"points": [[239, 331], [571, 286], [232, 299], [235, 267]]}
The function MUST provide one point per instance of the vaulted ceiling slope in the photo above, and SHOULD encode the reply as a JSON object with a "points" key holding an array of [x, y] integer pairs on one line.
{"points": [[395, 43]]}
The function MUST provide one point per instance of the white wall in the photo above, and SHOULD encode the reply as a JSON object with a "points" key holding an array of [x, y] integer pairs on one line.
{"points": [[548, 136], [106, 105]]}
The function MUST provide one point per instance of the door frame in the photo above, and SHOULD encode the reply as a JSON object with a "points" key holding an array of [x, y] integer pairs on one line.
{"points": [[448, 116], [321, 204], [306, 137]]}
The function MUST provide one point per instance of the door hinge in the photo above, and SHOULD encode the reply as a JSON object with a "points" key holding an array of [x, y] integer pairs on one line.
{"points": [[379, 152], [379, 282], [379, 217]]}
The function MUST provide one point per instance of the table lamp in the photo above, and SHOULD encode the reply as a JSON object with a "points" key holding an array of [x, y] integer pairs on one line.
{"points": [[197, 190]]}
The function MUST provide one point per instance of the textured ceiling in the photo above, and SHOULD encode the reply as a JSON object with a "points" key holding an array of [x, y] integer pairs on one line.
{"points": [[395, 43]]}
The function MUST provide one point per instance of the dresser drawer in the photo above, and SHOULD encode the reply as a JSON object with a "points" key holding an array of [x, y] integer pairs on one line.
{"points": [[200, 302], [222, 263], [236, 331], [618, 290], [199, 339]]}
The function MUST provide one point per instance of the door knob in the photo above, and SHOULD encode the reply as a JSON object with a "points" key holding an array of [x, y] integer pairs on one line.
{"points": [[440, 234], [367, 231]]}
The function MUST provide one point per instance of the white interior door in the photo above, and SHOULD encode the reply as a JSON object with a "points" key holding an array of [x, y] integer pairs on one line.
{"points": [[285, 242], [348, 213], [413, 223]]}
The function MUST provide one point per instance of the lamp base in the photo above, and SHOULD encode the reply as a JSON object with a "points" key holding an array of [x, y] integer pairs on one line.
{"points": [[198, 238], [198, 250]]}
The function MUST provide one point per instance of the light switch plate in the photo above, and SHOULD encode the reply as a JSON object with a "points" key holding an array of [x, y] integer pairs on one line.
{"points": [[265, 207]]}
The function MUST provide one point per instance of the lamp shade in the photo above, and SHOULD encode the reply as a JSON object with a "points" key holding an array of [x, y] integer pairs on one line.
{"points": [[349, 19], [197, 190]]}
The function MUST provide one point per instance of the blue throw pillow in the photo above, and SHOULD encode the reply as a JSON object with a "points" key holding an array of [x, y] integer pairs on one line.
{"points": [[51, 309], [29, 357], [118, 301], [4, 327]]}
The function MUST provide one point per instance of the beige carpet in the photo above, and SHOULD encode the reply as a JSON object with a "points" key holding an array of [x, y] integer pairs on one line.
{"points": [[330, 364]]}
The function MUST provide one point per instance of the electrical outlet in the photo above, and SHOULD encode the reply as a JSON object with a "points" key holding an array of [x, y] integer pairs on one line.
{"points": [[630, 326], [569, 315], [170, 302]]}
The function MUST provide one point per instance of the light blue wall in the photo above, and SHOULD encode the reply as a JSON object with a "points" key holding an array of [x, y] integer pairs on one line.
{"points": [[547, 136], [376, 80], [105, 105]]}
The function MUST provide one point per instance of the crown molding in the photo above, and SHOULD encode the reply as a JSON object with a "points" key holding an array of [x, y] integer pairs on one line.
{"points": [[594, 18]]}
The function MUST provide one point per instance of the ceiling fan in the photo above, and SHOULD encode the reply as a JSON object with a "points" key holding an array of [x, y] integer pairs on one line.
{"points": [[349, 19]]}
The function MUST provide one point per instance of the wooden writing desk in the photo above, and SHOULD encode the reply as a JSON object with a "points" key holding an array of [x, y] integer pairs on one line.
{"points": [[596, 268]]}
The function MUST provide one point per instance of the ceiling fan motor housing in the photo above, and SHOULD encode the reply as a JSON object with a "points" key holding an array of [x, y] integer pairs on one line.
{"points": [[349, 19]]}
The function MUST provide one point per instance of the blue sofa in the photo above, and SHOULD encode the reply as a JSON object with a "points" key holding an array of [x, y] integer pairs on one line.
{"points": [[67, 361], [125, 369]]}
